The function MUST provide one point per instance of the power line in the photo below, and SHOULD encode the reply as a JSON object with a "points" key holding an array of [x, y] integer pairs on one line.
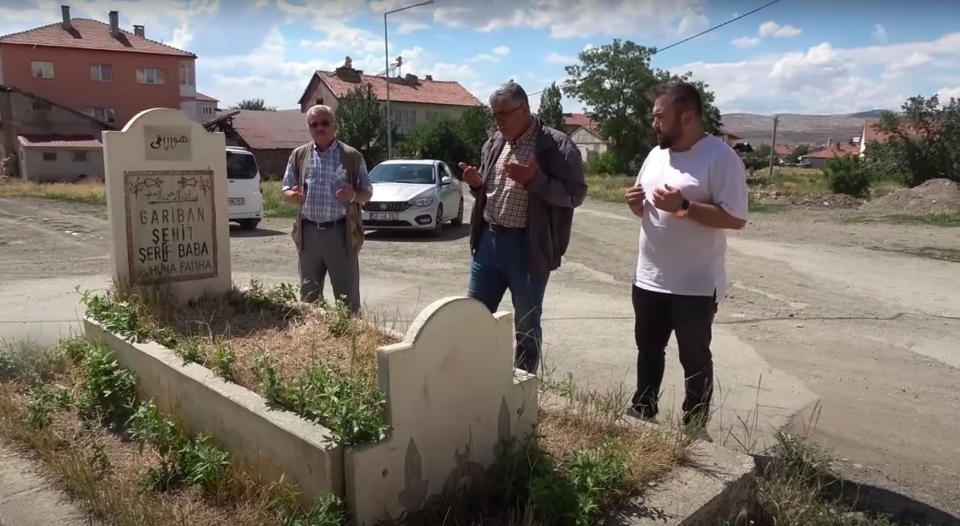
{"points": [[704, 32]]}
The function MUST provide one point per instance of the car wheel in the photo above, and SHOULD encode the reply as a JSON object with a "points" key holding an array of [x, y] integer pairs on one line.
{"points": [[438, 222], [457, 221], [249, 224]]}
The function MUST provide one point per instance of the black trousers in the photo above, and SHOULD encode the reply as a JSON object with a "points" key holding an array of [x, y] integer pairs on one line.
{"points": [[691, 319]]}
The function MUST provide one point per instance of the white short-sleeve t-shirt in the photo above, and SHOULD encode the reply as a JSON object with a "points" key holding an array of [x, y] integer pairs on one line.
{"points": [[682, 256]]}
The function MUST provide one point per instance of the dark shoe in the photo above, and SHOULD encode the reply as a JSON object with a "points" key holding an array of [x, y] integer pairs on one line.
{"points": [[641, 413]]}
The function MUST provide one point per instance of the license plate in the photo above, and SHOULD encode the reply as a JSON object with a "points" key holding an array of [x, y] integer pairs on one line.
{"points": [[235, 200], [384, 216]]}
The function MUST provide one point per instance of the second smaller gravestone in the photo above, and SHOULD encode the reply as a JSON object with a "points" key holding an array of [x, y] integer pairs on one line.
{"points": [[167, 204]]}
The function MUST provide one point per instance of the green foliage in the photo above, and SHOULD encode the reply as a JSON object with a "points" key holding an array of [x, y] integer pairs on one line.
{"points": [[222, 360], [339, 319], [602, 164], [847, 175], [148, 426], [281, 298], [798, 150], [253, 104], [551, 109], [204, 464], [924, 141], [191, 350], [119, 317], [474, 127], [352, 408], [75, 348], [360, 121], [328, 510], [759, 158], [28, 363], [107, 390], [530, 482], [44, 400], [450, 140], [615, 80]]}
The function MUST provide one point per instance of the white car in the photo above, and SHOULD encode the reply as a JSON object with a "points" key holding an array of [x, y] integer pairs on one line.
{"points": [[244, 197], [413, 194]]}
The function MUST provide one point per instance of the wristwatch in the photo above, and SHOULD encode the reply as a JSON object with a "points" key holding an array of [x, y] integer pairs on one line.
{"points": [[684, 208]]}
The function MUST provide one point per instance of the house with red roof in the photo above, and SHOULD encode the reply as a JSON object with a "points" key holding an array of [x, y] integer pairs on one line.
{"points": [[269, 135], [585, 133], [413, 100], [99, 68], [820, 156]]}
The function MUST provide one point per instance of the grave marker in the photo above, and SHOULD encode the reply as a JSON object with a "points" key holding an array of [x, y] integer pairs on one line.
{"points": [[167, 204]]}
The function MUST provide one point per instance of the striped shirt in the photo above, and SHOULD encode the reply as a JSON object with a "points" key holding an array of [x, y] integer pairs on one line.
{"points": [[506, 198], [325, 175]]}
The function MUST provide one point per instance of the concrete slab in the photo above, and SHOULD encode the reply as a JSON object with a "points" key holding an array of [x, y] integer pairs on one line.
{"points": [[27, 498]]}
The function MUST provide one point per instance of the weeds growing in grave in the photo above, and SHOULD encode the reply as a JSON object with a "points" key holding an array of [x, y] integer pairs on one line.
{"points": [[340, 319], [351, 407], [222, 360], [28, 363], [103, 467]]}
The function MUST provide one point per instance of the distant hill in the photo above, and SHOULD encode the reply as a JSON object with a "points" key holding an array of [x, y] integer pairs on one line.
{"points": [[795, 128]]}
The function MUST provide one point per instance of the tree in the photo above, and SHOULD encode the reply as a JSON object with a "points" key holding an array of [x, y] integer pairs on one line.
{"points": [[924, 142], [758, 158], [360, 121], [615, 80], [253, 104], [551, 110], [439, 139], [474, 127]]}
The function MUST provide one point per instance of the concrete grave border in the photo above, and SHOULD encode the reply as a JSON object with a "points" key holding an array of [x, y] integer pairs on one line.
{"points": [[276, 442]]}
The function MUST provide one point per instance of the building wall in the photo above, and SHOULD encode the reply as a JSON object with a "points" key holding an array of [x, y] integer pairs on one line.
{"points": [[587, 142], [73, 86], [210, 113], [272, 163], [19, 117], [34, 168]]}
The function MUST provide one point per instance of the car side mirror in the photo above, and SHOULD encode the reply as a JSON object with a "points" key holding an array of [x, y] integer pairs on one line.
{"points": [[446, 180]]}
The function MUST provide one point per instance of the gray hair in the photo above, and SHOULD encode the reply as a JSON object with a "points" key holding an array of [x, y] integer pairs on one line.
{"points": [[510, 90], [321, 108]]}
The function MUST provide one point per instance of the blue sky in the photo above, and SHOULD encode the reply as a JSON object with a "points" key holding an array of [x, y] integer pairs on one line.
{"points": [[803, 56]]}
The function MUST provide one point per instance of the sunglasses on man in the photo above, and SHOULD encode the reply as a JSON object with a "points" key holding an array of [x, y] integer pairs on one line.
{"points": [[321, 124]]}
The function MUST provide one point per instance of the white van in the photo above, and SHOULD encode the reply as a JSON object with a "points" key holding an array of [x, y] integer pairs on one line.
{"points": [[244, 200]]}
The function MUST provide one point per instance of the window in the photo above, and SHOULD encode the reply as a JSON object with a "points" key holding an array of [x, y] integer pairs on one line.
{"points": [[79, 157], [405, 119], [102, 72], [151, 76], [41, 70], [208, 110], [104, 114], [41, 105], [188, 74], [50, 156], [433, 115]]}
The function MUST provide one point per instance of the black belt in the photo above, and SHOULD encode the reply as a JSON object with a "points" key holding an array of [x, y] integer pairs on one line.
{"points": [[506, 229], [325, 224]]}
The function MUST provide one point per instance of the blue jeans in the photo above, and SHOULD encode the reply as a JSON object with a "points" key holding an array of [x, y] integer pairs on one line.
{"points": [[499, 263]]}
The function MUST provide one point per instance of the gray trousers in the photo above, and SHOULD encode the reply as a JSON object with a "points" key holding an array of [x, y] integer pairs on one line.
{"points": [[325, 250]]}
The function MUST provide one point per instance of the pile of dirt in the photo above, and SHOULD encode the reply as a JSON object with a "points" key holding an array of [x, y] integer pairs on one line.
{"points": [[931, 197], [809, 201]]}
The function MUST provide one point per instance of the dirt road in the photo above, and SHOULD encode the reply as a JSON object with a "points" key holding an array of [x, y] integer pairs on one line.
{"points": [[820, 309]]}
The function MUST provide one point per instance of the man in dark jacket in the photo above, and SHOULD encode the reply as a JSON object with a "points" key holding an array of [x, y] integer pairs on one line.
{"points": [[529, 181]]}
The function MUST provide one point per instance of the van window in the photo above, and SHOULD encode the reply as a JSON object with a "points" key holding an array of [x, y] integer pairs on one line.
{"points": [[240, 166]]}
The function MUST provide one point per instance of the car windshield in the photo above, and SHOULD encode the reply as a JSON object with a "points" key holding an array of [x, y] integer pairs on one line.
{"points": [[403, 173], [241, 166]]}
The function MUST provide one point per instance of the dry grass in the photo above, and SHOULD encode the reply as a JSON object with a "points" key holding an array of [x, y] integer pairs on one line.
{"points": [[609, 188], [104, 469], [91, 192]]}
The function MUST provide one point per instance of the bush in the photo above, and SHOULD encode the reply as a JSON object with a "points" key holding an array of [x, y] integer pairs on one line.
{"points": [[848, 175], [602, 164]]}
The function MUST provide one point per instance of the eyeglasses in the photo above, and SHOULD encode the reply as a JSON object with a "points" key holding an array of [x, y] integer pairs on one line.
{"points": [[500, 115], [322, 124]]}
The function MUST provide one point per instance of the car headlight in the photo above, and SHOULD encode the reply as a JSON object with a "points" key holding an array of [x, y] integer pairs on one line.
{"points": [[422, 202]]}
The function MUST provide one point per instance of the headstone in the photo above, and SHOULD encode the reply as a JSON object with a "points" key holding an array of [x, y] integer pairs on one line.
{"points": [[453, 397], [166, 181]]}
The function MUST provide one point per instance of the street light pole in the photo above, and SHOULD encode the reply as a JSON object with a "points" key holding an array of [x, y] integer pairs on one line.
{"points": [[386, 72]]}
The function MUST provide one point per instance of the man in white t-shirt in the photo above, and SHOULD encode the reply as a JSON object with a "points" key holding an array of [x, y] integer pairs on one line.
{"points": [[690, 190]]}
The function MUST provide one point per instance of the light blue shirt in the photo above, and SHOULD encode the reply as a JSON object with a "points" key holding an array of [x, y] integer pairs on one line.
{"points": [[323, 178]]}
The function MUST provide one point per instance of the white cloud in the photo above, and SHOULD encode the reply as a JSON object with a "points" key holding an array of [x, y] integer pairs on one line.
{"points": [[182, 36], [824, 79], [410, 27], [556, 58], [745, 42], [773, 29], [340, 36], [501, 51], [880, 33], [945, 94], [574, 18], [483, 57], [911, 62]]}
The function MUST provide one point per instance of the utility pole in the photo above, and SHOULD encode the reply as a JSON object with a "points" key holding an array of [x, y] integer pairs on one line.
{"points": [[773, 149], [386, 74]]}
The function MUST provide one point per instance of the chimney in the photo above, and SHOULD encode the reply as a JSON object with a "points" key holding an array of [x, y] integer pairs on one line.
{"points": [[65, 11], [428, 77], [410, 77], [138, 30], [115, 24]]}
